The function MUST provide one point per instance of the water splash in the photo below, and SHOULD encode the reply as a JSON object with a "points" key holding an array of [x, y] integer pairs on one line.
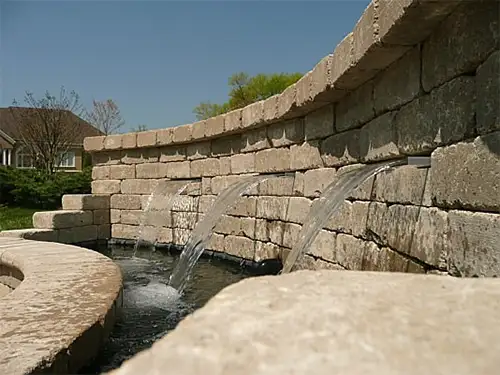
{"points": [[329, 202], [158, 207], [202, 232]]}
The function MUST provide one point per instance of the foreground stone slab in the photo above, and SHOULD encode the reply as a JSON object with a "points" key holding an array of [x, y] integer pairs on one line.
{"points": [[331, 322], [57, 318]]}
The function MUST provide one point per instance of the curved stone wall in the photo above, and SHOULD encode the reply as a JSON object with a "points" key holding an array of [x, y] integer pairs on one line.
{"points": [[413, 78], [58, 316]]}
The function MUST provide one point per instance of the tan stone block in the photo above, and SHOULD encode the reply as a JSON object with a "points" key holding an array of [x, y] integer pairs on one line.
{"points": [[298, 209], [266, 250], [378, 138], [324, 245], [124, 201], [129, 140], [239, 246], [219, 183], [137, 156], [298, 184], [179, 169], [272, 160], [363, 192], [101, 217], [124, 231], [350, 218], [205, 167], [260, 230], [443, 117], [225, 166], [228, 225], [252, 114], [93, 143], [47, 235], [206, 185], [182, 203], [193, 188], [287, 101], [85, 202], [106, 158], [61, 219], [341, 64], [199, 150], [305, 156], [113, 142], [271, 108], [138, 186], [274, 208], [320, 123], [404, 185], [164, 137], [146, 138], [226, 146], [101, 173], [286, 132], [214, 126], [290, 234], [182, 134], [322, 87], [317, 180], [131, 217], [104, 232], [303, 89], [185, 220], [180, 236], [488, 95], [206, 202], [280, 186], [243, 163], [151, 170], [355, 109], [275, 230], [254, 140], [244, 206], [172, 153], [114, 216], [106, 187], [232, 120], [216, 242], [78, 234], [349, 251], [121, 172], [198, 130], [341, 149]]}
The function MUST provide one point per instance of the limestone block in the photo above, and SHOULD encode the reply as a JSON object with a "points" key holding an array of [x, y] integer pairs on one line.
{"points": [[184, 203], [399, 83], [323, 87], [216, 242], [121, 172], [244, 206], [93, 143], [467, 174], [180, 236], [138, 186], [101, 217], [151, 170], [488, 94], [131, 217], [193, 188], [342, 72], [225, 166], [286, 132], [271, 108], [61, 219], [198, 130], [226, 146], [350, 251], [298, 209], [214, 126], [320, 123], [184, 220], [444, 116], [239, 246], [232, 120], [114, 216], [403, 184], [243, 163], [252, 114], [274, 208], [350, 218], [172, 153], [107, 158], [179, 169], [163, 219], [199, 150], [113, 142], [390, 261], [272, 160], [317, 180], [164, 137], [205, 167], [124, 231], [355, 109], [290, 234], [363, 192], [206, 185], [324, 245], [126, 201], [461, 42], [101, 173], [378, 138], [236, 226], [105, 187], [48, 235], [305, 156], [341, 149], [146, 138], [137, 156], [183, 133], [298, 184], [275, 231], [206, 202], [78, 234], [260, 230], [303, 88], [164, 235], [474, 244], [287, 101], [85, 202], [128, 140], [276, 186], [254, 140], [266, 250], [429, 242]]}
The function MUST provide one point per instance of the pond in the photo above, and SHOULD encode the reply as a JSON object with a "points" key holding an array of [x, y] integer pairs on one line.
{"points": [[149, 310]]}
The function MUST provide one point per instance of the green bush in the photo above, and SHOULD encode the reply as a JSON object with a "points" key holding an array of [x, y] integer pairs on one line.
{"points": [[37, 189]]}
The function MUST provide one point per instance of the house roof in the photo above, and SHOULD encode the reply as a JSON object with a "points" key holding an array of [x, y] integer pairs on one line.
{"points": [[9, 125]]}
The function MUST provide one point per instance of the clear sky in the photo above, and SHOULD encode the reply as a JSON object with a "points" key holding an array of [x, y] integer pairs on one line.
{"points": [[159, 59]]}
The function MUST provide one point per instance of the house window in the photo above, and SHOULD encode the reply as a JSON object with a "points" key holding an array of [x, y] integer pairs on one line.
{"points": [[67, 160], [24, 159]]}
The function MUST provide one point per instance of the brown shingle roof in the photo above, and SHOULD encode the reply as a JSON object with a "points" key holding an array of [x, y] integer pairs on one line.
{"points": [[9, 125]]}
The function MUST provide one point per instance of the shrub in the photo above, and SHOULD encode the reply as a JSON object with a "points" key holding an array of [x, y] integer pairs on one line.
{"points": [[37, 189]]}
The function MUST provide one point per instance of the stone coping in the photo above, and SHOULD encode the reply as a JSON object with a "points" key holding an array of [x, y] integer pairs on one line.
{"points": [[57, 318], [385, 32], [335, 322]]}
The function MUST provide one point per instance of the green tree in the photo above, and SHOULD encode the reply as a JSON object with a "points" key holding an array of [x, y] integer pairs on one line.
{"points": [[245, 90]]}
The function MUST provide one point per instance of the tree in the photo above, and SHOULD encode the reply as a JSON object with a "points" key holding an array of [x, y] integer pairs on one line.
{"points": [[245, 90], [140, 128], [105, 116], [48, 126]]}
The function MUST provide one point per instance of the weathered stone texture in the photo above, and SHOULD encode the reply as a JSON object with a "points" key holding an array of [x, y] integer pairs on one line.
{"points": [[317, 180], [403, 185], [243, 163], [151, 170], [272, 160], [200, 150], [488, 95], [121, 172], [341, 149], [355, 109], [205, 167], [62, 219], [252, 114], [146, 139], [178, 170], [320, 123], [85, 202], [239, 246], [286, 133], [183, 133], [124, 201], [254, 140], [274, 208], [106, 186], [378, 138], [214, 126]]}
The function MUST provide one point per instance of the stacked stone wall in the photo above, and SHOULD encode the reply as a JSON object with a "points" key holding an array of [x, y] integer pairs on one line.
{"points": [[413, 78]]}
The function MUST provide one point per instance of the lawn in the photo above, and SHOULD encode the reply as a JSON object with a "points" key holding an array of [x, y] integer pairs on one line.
{"points": [[16, 217]]}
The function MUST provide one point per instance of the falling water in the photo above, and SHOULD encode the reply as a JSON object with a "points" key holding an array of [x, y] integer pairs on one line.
{"points": [[161, 200], [202, 232], [329, 202]]}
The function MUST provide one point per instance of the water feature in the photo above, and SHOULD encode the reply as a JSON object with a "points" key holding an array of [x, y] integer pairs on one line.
{"points": [[333, 197], [203, 230], [157, 211], [151, 308]]}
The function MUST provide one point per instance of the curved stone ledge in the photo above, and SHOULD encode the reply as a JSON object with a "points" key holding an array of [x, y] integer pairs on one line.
{"points": [[335, 323], [60, 314], [385, 32]]}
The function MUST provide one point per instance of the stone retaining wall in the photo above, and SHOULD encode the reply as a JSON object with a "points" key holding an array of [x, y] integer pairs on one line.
{"points": [[411, 79]]}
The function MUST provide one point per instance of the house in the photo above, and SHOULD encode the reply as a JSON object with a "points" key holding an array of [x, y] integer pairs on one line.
{"points": [[12, 150]]}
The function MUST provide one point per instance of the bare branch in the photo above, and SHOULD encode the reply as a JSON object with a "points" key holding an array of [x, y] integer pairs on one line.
{"points": [[105, 116]]}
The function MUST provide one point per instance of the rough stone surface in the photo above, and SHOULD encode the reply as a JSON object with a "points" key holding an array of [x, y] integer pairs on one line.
{"points": [[320, 123], [305, 156], [146, 138], [286, 133], [488, 95], [62, 219], [378, 138], [355, 109], [85, 202], [437, 317], [341, 149], [76, 291]]}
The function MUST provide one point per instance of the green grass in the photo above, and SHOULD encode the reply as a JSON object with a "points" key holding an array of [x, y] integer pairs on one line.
{"points": [[16, 217]]}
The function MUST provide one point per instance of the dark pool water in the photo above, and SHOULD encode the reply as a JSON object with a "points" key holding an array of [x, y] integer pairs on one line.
{"points": [[150, 311]]}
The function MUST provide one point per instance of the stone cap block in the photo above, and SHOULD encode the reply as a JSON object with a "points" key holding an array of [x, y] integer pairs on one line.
{"points": [[85, 202], [62, 219]]}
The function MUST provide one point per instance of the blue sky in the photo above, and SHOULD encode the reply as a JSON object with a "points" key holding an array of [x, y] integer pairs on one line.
{"points": [[159, 59]]}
